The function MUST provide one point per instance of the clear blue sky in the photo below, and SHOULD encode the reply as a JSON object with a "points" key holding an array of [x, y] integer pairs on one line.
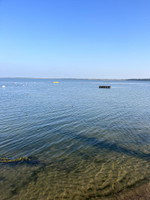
{"points": [[75, 38]]}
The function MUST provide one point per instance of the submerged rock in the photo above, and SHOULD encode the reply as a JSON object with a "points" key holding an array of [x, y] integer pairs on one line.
{"points": [[30, 160]]}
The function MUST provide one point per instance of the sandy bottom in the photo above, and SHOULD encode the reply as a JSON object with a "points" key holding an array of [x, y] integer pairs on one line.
{"points": [[141, 192], [119, 178]]}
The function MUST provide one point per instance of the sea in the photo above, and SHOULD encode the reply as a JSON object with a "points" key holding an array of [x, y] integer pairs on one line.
{"points": [[72, 140]]}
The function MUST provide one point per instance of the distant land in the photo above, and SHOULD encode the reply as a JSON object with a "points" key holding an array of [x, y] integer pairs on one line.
{"points": [[98, 79]]}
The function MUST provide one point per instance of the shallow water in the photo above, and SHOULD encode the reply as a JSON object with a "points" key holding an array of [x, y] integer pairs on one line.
{"points": [[85, 142]]}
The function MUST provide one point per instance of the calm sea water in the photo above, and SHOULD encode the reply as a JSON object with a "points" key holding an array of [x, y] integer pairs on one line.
{"points": [[84, 142]]}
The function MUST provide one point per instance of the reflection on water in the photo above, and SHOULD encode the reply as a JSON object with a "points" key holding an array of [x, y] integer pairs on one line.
{"points": [[84, 142]]}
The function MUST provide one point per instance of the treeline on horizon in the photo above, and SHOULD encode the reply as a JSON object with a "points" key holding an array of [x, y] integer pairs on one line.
{"points": [[134, 79]]}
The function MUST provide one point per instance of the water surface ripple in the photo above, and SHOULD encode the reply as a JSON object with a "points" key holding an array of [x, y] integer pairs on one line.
{"points": [[88, 143]]}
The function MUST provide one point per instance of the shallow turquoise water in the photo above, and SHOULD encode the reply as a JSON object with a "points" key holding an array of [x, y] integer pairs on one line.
{"points": [[86, 142]]}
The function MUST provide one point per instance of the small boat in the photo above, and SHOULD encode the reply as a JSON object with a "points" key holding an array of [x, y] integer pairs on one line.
{"points": [[104, 86]]}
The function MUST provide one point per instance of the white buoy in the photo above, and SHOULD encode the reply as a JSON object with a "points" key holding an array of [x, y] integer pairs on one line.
{"points": [[3, 86]]}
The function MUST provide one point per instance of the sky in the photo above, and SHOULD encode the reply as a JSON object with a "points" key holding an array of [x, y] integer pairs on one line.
{"points": [[75, 38]]}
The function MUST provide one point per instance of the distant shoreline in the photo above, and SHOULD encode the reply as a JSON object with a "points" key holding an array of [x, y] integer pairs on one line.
{"points": [[96, 79]]}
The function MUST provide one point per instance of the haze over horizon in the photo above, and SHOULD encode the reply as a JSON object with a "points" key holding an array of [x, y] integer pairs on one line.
{"points": [[99, 39]]}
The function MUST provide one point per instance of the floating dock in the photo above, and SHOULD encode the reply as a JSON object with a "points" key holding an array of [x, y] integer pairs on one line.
{"points": [[104, 86]]}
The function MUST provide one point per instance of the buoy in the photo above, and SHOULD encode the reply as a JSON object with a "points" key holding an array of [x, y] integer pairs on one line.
{"points": [[55, 82], [3, 86]]}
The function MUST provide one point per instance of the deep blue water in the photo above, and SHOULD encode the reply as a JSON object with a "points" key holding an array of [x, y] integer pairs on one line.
{"points": [[75, 125]]}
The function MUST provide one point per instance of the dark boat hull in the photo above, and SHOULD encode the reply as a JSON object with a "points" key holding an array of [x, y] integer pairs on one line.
{"points": [[104, 86]]}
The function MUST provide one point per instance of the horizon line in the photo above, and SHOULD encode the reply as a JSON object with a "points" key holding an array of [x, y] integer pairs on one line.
{"points": [[78, 78]]}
